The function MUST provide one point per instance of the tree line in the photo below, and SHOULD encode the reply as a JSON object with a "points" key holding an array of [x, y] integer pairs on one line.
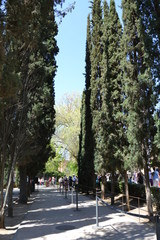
{"points": [[27, 69], [120, 117]]}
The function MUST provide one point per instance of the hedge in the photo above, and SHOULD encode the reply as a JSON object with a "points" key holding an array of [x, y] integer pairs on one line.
{"points": [[137, 190]]}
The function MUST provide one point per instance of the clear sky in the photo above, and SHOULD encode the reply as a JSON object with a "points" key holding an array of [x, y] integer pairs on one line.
{"points": [[71, 41]]}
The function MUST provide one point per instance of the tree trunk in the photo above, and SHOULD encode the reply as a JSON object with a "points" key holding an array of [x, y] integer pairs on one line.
{"points": [[126, 189], [112, 188], [28, 188], [148, 191], [23, 185], [10, 200], [2, 215], [103, 185], [94, 184], [2, 219]]}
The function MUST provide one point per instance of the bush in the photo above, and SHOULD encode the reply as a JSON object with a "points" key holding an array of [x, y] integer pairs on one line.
{"points": [[156, 198], [119, 187], [137, 190]]}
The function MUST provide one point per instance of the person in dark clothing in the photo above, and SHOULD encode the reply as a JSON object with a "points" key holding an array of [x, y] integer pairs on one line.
{"points": [[140, 178], [70, 182]]}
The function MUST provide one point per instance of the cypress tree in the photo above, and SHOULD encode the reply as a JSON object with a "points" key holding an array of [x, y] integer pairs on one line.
{"points": [[1, 43], [110, 125], [157, 139], [33, 26], [96, 58], [139, 88], [86, 166], [81, 153], [114, 92], [101, 117], [42, 64]]}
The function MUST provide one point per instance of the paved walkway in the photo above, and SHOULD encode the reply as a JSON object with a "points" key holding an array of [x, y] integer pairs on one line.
{"points": [[52, 216]]}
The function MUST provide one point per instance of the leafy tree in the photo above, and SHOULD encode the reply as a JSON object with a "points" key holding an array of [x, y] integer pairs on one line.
{"points": [[68, 125], [71, 168], [54, 162]]}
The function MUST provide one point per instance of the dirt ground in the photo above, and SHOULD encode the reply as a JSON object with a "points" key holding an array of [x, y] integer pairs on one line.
{"points": [[12, 224]]}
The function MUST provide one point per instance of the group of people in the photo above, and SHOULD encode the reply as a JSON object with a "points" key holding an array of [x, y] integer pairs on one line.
{"points": [[154, 177], [65, 182], [47, 182]]}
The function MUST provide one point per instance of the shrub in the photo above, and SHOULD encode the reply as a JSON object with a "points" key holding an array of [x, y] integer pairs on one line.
{"points": [[119, 187], [156, 198], [137, 190]]}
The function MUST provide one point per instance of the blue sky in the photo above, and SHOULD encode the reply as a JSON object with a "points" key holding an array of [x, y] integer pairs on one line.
{"points": [[71, 41]]}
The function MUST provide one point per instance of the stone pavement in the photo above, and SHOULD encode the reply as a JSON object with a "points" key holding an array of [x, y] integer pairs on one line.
{"points": [[52, 216]]}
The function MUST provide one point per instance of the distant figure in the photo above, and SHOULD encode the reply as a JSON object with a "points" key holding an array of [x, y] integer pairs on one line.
{"points": [[53, 181], [150, 178], [60, 182], [66, 183], [98, 180], [70, 182], [140, 178], [155, 177], [50, 180], [74, 179], [135, 177]]}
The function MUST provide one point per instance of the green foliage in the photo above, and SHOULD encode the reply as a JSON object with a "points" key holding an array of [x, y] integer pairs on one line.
{"points": [[135, 190], [138, 84], [53, 164], [157, 139], [71, 168], [156, 198], [27, 76], [106, 87], [119, 187], [68, 125], [86, 142]]}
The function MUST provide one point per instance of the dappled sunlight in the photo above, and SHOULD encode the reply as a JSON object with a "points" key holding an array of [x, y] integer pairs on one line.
{"points": [[52, 216]]}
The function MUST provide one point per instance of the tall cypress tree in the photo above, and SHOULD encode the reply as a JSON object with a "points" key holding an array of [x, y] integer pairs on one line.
{"points": [[139, 89], [114, 92], [157, 139], [101, 133], [1, 43], [96, 58], [42, 65], [86, 159], [108, 141], [33, 26]]}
